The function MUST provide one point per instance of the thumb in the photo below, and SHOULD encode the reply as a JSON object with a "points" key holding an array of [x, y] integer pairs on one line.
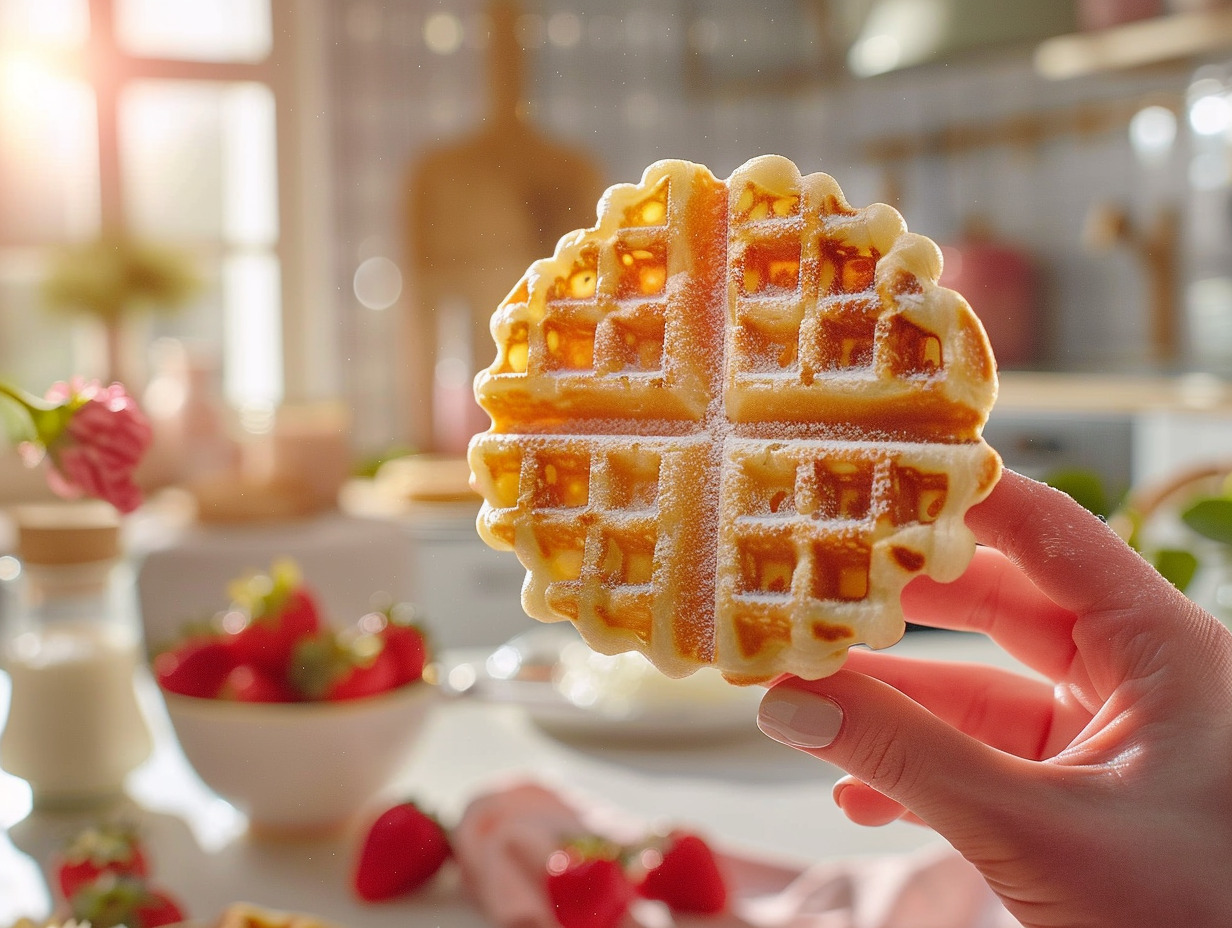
{"points": [[951, 781]]}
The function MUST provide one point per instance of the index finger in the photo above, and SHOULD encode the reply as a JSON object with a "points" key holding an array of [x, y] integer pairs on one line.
{"points": [[1072, 556], [1051, 577], [995, 598]]}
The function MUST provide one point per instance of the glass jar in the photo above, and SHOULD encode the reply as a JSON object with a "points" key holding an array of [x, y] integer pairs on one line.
{"points": [[71, 644]]}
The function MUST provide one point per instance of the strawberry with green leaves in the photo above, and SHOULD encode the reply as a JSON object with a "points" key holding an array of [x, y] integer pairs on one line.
{"points": [[110, 847], [337, 667], [587, 884], [111, 899], [273, 646], [280, 612], [401, 851], [104, 875], [685, 874]]}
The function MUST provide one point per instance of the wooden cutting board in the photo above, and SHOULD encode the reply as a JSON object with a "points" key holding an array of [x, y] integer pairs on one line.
{"points": [[480, 210]]}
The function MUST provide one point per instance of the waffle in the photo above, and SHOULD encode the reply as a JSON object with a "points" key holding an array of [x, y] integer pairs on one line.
{"points": [[731, 421], [247, 915]]}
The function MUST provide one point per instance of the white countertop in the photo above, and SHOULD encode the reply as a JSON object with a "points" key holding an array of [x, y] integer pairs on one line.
{"points": [[745, 792]]}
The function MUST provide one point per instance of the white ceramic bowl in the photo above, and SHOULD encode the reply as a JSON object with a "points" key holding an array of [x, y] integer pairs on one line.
{"points": [[300, 768]]}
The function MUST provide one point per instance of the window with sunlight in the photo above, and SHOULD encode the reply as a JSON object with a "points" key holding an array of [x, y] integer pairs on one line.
{"points": [[154, 121]]}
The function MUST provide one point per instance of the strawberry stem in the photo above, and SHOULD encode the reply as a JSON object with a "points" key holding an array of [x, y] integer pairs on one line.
{"points": [[28, 400]]}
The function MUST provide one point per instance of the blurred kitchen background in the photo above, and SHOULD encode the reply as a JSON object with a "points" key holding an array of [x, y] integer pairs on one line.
{"points": [[326, 198]]}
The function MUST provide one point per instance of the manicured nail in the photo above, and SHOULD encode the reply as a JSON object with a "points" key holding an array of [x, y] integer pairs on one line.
{"points": [[799, 718]]}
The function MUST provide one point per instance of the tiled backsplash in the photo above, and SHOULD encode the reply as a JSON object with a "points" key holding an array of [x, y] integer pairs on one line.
{"points": [[619, 88]]}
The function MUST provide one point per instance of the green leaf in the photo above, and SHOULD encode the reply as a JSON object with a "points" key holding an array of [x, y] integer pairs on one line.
{"points": [[15, 421], [1177, 565], [1134, 518], [1085, 487], [1211, 517]]}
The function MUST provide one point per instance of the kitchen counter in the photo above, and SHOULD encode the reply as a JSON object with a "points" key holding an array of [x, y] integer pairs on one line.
{"points": [[747, 792], [1134, 430]]}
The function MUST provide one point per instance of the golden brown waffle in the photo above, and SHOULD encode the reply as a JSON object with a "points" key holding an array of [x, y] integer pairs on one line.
{"points": [[247, 915], [732, 420]]}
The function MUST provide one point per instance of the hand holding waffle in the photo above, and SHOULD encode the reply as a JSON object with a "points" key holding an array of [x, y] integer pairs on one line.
{"points": [[1096, 797], [732, 420]]}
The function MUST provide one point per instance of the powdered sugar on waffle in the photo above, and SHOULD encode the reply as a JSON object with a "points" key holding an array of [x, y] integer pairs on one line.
{"points": [[732, 420]]}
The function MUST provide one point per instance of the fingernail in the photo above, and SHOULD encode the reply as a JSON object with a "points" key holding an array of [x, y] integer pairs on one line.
{"points": [[799, 718]]}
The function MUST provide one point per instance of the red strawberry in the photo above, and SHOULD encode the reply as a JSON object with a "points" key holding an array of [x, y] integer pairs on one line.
{"points": [[107, 848], [112, 900], [197, 667], [247, 683], [280, 612], [408, 646], [588, 888], [366, 679], [342, 666], [687, 877], [402, 850], [157, 908]]}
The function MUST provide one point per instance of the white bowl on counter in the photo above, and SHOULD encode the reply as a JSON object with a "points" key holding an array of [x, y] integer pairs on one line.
{"points": [[301, 768]]}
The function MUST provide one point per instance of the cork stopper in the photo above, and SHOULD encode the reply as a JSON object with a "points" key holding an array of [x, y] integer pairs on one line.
{"points": [[67, 533]]}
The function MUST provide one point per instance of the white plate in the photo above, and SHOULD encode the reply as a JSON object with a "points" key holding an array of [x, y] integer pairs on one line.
{"points": [[571, 691]]}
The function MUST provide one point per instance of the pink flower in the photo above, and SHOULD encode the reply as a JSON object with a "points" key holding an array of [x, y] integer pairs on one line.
{"points": [[92, 436], [98, 451]]}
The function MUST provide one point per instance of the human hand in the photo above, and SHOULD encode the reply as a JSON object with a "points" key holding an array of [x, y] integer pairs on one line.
{"points": [[1098, 796]]}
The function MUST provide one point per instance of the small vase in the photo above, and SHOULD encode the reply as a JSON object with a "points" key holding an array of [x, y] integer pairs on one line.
{"points": [[192, 432]]}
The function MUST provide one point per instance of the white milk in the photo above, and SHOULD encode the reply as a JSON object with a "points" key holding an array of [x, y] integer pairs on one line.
{"points": [[74, 728]]}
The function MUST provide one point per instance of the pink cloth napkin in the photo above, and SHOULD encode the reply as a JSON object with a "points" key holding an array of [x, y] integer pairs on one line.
{"points": [[505, 837]]}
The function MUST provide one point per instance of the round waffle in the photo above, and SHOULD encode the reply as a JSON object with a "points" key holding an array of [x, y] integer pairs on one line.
{"points": [[732, 420]]}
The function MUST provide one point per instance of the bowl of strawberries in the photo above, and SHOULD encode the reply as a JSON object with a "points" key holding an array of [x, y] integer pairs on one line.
{"points": [[297, 722]]}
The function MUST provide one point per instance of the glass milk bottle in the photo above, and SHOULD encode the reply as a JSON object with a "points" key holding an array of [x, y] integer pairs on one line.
{"points": [[71, 643]]}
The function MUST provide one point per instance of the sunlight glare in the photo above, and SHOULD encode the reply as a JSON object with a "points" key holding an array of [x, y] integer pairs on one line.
{"points": [[62, 23], [30, 85]]}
